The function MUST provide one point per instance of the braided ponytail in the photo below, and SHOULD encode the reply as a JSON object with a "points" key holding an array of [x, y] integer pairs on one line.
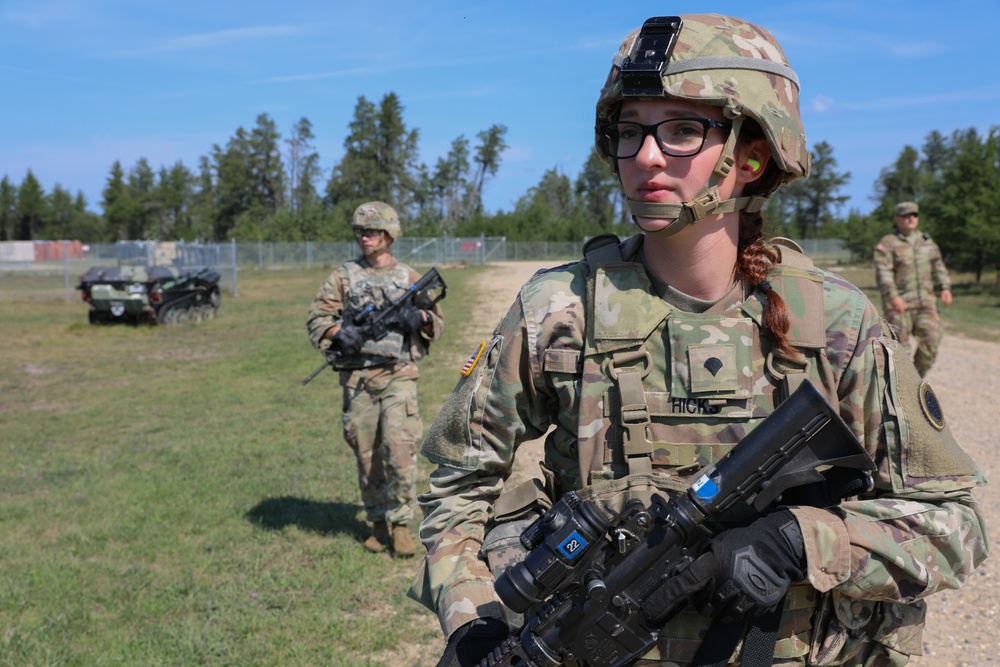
{"points": [[753, 263], [755, 260]]}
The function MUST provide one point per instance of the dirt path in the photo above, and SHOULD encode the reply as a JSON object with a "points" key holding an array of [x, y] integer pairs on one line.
{"points": [[963, 627]]}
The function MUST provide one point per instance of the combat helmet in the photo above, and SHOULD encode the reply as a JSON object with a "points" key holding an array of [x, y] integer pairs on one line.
{"points": [[720, 61], [377, 215]]}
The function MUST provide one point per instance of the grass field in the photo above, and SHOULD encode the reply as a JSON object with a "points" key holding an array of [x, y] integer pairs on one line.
{"points": [[172, 496]]}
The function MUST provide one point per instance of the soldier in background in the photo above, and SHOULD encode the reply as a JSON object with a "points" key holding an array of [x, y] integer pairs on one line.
{"points": [[909, 269], [652, 357], [382, 424]]}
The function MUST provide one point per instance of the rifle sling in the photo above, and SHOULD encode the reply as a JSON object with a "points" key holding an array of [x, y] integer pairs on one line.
{"points": [[758, 645]]}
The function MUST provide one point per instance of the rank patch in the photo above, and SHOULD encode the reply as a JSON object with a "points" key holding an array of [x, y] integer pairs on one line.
{"points": [[470, 365], [713, 365]]}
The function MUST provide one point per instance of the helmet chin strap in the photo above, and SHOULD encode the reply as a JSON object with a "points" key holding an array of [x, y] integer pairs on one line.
{"points": [[705, 203]]}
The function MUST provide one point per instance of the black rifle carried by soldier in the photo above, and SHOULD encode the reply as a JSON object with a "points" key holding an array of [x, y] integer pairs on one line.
{"points": [[374, 324], [590, 578]]}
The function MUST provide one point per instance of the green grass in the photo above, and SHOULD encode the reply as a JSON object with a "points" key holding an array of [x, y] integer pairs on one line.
{"points": [[172, 496], [39, 286]]}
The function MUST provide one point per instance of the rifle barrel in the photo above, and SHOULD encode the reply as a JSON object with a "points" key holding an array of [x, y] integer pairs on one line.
{"points": [[315, 373]]}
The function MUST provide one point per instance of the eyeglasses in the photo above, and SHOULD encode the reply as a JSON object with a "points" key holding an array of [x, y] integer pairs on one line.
{"points": [[368, 233], [677, 137], [910, 215]]}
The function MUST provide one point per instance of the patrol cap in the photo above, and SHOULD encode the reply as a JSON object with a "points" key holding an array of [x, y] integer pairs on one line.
{"points": [[377, 215], [907, 207]]}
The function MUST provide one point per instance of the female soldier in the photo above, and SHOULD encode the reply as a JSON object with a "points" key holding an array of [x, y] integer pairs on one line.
{"points": [[702, 328]]}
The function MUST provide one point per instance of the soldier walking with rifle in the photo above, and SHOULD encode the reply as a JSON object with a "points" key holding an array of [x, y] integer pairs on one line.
{"points": [[742, 465], [373, 319]]}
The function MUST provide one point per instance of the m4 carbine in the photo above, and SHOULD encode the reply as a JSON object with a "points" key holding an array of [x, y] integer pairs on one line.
{"points": [[375, 324], [587, 575]]}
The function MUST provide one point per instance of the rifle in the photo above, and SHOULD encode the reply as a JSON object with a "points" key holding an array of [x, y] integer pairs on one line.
{"points": [[586, 575], [375, 324]]}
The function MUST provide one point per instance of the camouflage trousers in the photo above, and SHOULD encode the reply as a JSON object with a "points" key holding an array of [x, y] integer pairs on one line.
{"points": [[382, 426], [923, 323]]}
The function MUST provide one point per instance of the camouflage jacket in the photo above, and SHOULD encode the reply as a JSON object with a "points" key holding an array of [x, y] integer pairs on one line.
{"points": [[919, 531], [910, 267], [352, 287]]}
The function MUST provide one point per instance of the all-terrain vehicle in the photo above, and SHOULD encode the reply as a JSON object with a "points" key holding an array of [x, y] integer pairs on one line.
{"points": [[139, 290], [158, 294]]}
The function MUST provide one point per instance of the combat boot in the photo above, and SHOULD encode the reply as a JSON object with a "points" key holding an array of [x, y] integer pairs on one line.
{"points": [[402, 542], [379, 539]]}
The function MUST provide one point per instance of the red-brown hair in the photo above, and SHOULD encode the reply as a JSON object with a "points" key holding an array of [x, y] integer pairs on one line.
{"points": [[755, 260]]}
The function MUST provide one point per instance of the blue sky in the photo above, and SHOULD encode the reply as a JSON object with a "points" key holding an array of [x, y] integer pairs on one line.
{"points": [[88, 82]]}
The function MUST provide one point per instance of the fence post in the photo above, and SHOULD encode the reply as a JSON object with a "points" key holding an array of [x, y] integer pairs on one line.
{"points": [[65, 247], [236, 289]]}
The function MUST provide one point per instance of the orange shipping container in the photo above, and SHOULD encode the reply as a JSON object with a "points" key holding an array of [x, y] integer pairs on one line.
{"points": [[54, 251]]}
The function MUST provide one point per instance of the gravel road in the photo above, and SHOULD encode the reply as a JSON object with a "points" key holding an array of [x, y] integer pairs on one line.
{"points": [[963, 627]]}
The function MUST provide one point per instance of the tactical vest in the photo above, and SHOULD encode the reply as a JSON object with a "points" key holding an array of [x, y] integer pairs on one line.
{"points": [[367, 288], [676, 391]]}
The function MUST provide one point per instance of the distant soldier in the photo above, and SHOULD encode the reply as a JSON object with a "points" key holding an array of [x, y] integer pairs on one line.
{"points": [[381, 421], [909, 268]]}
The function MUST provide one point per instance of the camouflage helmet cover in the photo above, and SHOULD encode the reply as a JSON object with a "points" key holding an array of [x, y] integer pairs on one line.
{"points": [[377, 215], [727, 62]]}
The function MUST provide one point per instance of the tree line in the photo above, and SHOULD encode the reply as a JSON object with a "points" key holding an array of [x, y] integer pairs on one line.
{"points": [[263, 186]]}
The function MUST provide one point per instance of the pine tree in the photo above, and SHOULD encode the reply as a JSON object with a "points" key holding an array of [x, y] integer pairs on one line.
{"points": [[115, 203], [31, 208], [491, 147], [8, 210], [379, 159]]}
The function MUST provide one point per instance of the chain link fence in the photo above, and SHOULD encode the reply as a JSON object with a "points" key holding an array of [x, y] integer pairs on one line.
{"points": [[52, 278]]}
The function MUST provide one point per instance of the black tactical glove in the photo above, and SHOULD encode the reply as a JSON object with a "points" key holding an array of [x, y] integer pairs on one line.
{"points": [[744, 573], [412, 319], [347, 341], [472, 642]]}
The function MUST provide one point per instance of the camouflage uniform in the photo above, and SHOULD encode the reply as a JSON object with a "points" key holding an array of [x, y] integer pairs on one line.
{"points": [[587, 345], [870, 562], [381, 421], [911, 267]]}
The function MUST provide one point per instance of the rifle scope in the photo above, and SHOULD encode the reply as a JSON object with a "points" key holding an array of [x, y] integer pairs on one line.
{"points": [[557, 543]]}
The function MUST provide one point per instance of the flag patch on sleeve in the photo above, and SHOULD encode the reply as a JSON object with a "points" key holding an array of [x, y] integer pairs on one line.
{"points": [[470, 365]]}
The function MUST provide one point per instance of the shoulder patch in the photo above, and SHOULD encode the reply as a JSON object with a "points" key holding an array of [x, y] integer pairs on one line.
{"points": [[931, 458], [455, 438], [470, 364], [930, 406]]}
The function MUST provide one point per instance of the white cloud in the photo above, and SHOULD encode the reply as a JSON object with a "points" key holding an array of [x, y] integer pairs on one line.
{"points": [[217, 39], [913, 50], [822, 103], [39, 14], [949, 97]]}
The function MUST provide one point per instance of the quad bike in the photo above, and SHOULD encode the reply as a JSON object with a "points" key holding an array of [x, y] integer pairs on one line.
{"points": [[156, 294]]}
